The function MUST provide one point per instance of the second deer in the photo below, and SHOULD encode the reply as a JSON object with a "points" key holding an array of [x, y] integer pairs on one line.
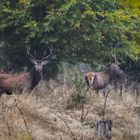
{"points": [[100, 80]]}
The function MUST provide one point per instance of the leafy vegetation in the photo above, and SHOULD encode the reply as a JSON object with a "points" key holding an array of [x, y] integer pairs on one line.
{"points": [[89, 31]]}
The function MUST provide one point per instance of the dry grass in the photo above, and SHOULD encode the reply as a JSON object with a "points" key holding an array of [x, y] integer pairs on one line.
{"points": [[49, 113]]}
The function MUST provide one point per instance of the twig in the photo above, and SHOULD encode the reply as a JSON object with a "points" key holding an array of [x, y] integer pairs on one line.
{"points": [[9, 132], [137, 95], [124, 135], [23, 119], [83, 117], [105, 105], [4, 119], [87, 89], [66, 125], [121, 92]]}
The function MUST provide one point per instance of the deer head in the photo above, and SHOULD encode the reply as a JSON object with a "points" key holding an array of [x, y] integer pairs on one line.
{"points": [[39, 63], [36, 73]]}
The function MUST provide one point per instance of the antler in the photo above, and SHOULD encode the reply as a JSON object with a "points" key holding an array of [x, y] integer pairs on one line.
{"points": [[46, 57], [29, 52], [43, 61], [113, 53], [114, 56]]}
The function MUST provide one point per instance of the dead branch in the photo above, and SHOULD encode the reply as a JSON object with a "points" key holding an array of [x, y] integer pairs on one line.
{"points": [[104, 109], [83, 117], [23, 118], [6, 122], [65, 124]]}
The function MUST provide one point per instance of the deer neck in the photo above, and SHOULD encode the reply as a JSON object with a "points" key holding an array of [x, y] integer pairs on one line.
{"points": [[110, 74], [35, 77]]}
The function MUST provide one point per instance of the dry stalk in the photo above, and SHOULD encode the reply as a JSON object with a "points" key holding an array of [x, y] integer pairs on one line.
{"points": [[23, 119], [9, 131], [124, 135], [83, 117], [121, 92], [65, 124], [6, 122], [137, 95], [104, 109]]}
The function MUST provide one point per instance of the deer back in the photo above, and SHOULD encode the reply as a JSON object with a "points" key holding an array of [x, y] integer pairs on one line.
{"points": [[102, 79], [9, 82]]}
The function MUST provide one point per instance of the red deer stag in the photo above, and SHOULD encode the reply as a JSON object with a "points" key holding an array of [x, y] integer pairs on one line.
{"points": [[100, 80], [25, 81]]}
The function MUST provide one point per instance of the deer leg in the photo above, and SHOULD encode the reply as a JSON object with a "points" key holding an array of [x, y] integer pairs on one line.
{"points": [[105, 91], [97, 91]]}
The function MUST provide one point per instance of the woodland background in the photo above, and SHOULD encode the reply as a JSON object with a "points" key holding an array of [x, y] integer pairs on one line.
{"points": [[88, 31], [85, 35]]}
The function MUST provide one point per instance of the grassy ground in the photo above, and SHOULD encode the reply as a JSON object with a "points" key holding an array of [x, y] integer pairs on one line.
{"points": [[54, 111]]}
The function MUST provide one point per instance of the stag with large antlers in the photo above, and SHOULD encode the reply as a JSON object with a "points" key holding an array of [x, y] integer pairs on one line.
{"points": [[27, 81]]}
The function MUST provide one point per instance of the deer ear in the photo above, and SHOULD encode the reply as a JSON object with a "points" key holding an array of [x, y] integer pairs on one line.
{"points": [[107, 65], [33, 61], [44, 62]]}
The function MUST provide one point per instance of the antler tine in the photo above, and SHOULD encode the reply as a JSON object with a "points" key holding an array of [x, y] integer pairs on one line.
{"points": [[44, 54], [114, 56], [113, 53], [34, 53], [28, 51], [51, 49]]}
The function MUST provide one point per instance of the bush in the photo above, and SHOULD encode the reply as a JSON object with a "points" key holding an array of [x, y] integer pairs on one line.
{"points": [[78, 96]]}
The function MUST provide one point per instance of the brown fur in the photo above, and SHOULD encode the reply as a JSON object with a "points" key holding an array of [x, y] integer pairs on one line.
{"points": [[2, 71], [10, 82], [27, 81], [100, 80]]}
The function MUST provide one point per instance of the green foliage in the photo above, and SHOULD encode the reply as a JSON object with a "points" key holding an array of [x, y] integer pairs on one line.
{"points": [[78, 96], [80, 30], [130, 3]]}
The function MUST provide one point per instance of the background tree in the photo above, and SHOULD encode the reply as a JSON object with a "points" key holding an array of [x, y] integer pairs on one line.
{"points": [[89, 31]]}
